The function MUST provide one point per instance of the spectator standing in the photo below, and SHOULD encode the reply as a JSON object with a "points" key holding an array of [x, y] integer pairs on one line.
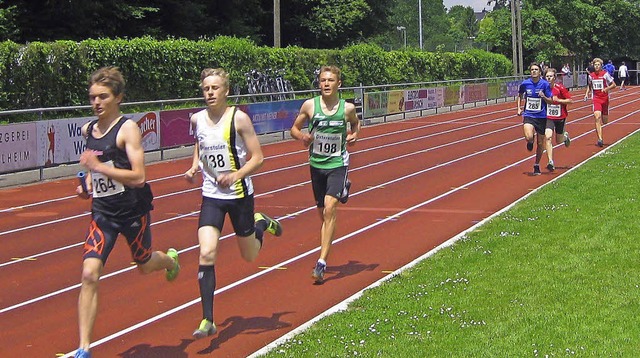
{"points": [[623, 73]]}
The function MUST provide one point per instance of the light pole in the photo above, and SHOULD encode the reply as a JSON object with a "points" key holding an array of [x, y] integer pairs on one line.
{"points": [[404, 34], [420, 21], [276, 23]]}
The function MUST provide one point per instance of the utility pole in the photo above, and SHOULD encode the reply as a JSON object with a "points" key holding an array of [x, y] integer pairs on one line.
{"points": [[514, 45], [276, 23], [520, 59], [420, 21], [516, 38]]}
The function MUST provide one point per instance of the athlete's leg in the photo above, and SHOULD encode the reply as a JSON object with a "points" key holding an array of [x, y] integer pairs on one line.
{"points": [[598, 122], [88, 299], [540, 148], [329, 216], [529, 132], [548, 139]]}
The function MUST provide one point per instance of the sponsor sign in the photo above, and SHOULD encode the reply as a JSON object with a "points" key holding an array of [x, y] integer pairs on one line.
{"points": [[18, 147]]}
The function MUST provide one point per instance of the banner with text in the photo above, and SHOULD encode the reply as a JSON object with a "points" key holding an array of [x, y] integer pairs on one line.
{"points": [[18, 149], [272, 116]]}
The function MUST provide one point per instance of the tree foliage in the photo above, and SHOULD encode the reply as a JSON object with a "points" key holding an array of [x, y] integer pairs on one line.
{"points": [[552, 29]]}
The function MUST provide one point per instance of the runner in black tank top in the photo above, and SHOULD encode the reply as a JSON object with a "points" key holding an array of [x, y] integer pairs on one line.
{"points": [[121, 197]]}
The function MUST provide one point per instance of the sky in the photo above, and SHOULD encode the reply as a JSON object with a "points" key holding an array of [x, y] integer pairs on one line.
{"points": [[477, 5]]}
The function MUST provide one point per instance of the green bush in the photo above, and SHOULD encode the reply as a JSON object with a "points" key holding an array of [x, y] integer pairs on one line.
{"points": [[55, 74]]}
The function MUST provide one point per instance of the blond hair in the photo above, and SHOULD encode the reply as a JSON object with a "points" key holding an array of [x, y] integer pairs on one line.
{"points": [[220, 72]]}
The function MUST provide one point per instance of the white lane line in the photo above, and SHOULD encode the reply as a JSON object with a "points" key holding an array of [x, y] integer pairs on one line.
{"points": [[354, 233], [342, 306], [276, 156], [364, 139], [311, 208]]}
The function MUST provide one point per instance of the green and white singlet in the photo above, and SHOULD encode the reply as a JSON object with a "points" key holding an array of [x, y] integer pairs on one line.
{"points": [[329, 132]]}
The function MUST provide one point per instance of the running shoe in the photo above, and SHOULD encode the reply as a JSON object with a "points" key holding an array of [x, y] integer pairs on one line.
{"points": [[273, 226], [551, 167], [567, 139], [318, 272], [600, 143], [206, 328], [344, 197], [529, 146], [81, 353], [536, 170], [173, 273]]}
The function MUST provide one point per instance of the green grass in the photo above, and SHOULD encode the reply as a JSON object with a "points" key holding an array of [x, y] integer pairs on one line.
{"points": [[557, 275]]}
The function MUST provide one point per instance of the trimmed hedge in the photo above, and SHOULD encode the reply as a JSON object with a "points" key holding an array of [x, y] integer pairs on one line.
{"points": [[55, 74]]}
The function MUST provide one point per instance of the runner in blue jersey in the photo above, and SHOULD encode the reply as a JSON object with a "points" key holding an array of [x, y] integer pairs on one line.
{"points": [[535, 110]]}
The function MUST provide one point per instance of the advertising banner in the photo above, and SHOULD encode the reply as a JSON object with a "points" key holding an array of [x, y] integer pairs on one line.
{"points": [[496, 90], [396, 102], [60, 141], [176, 128], [512, 88], [18, 147], [452, 95], [376, 104], [272, 117], [474, 93]]}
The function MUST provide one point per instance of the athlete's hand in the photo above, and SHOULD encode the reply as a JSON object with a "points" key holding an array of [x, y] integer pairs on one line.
{"points": [[81, 193], [519, 112], [227, 179], [89, 159], [190, 174], [351, 139], [307, 139]]}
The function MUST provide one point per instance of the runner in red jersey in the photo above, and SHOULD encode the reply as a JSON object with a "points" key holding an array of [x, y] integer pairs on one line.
{"points": [[600, 83], [556, 115]]}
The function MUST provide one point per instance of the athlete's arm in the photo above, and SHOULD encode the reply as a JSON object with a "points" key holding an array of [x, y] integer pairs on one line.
{"points": [[129, 139], [612, 84], [352, 118], [87, 179], [586, 93], [518, 102], [191, 172], [304, 116]]}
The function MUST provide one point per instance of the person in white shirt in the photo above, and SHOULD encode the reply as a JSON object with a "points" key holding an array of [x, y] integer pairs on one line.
{"points": [[623, 73]]}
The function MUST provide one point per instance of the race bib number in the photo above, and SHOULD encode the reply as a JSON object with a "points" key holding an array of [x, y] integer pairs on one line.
{"points": [[597, 84], [104, 186], [553, 110], [327, 144], [218, 157], [534, 104]]}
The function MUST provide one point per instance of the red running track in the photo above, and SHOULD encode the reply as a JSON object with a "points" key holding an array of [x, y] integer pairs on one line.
{"points": [[416, 183]]}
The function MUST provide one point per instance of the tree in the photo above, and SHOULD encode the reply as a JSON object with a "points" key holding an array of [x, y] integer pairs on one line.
{"points": [[579, 28], [332, 23], [8, 28], [464, 26]]}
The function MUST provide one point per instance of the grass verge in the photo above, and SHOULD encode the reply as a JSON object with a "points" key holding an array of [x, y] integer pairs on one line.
{"points": [[557, 275]]}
